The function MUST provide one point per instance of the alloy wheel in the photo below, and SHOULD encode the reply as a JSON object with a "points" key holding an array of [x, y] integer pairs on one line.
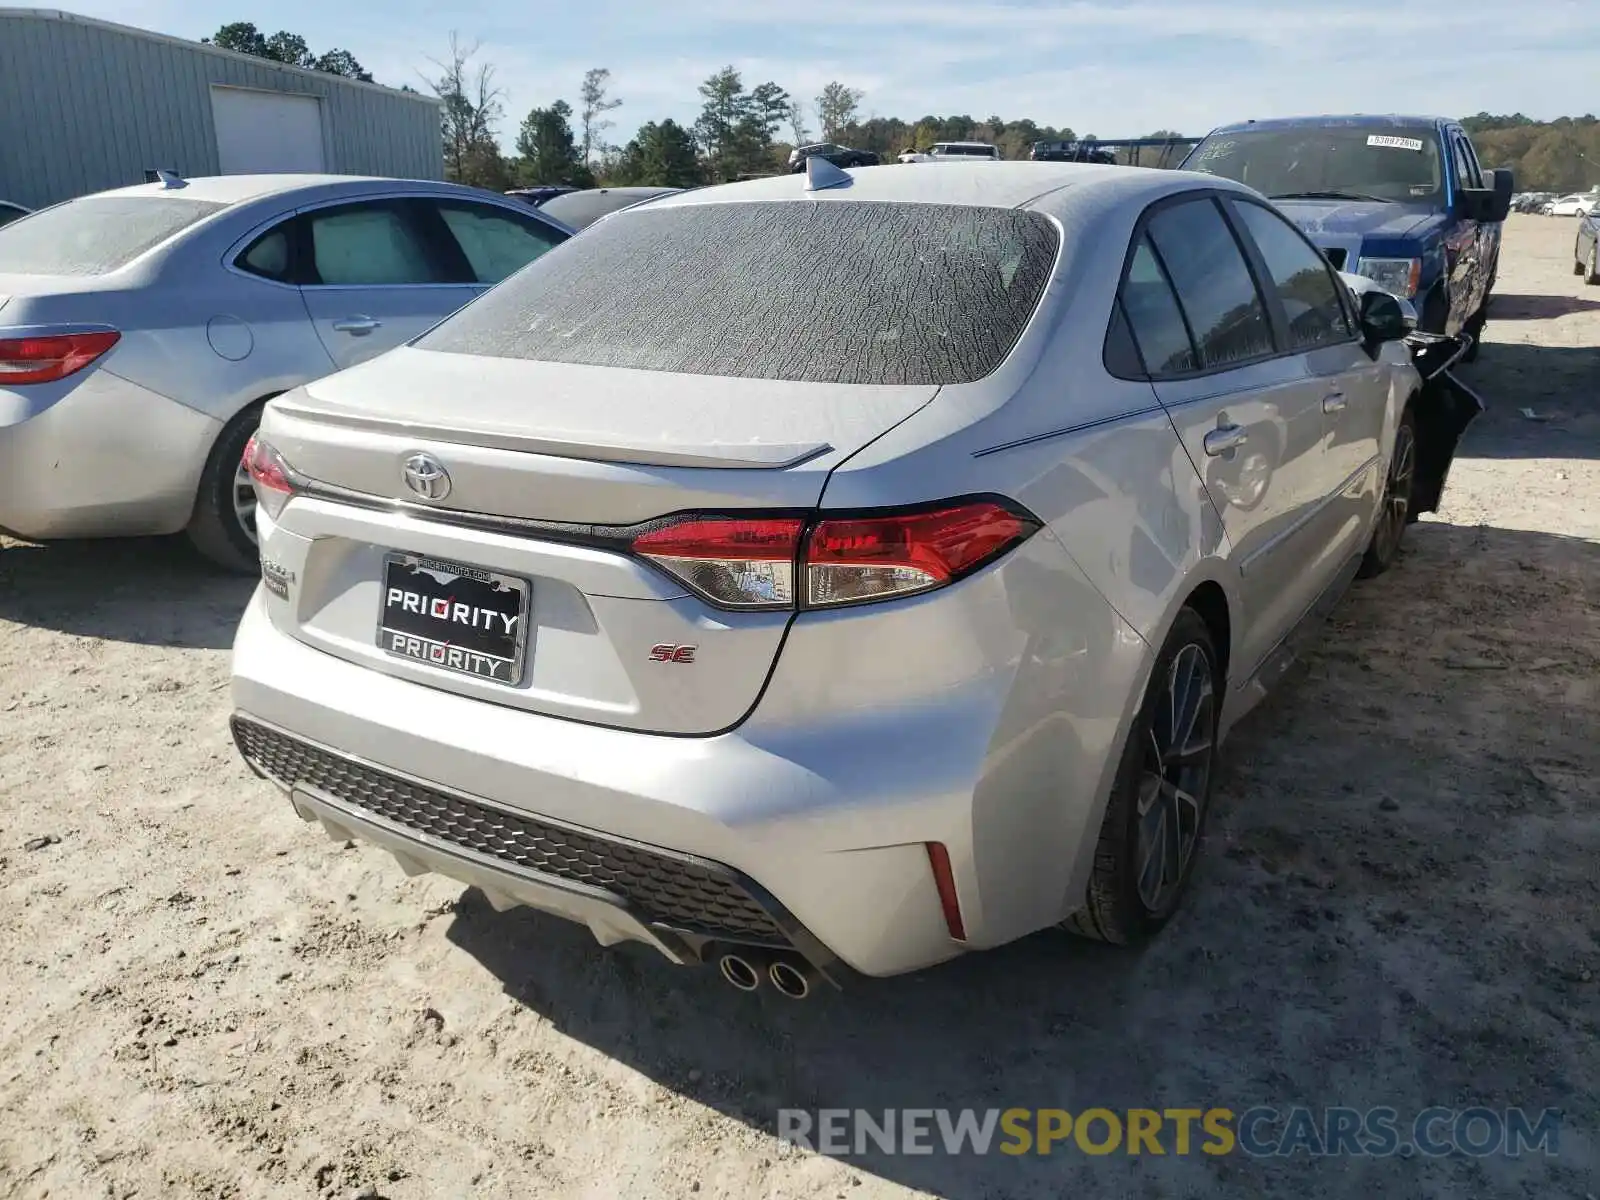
{"points": [[1397, 492], [244, 502], [1173, 778]]}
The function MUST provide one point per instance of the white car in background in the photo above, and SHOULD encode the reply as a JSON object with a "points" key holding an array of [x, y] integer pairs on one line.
{"points": [[1579, 204], [142, 330], [953, 152]]}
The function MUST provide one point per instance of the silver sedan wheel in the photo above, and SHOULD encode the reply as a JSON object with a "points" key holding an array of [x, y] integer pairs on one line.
{"points": [[1397, 492], [244, 502], [1173, 778]]}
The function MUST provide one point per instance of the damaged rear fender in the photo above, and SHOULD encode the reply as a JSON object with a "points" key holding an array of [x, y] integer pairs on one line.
{"points": [[1444, 408]]}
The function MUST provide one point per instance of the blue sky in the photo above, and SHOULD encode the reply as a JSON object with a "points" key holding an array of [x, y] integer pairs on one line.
{"points": [[1098, 66]]}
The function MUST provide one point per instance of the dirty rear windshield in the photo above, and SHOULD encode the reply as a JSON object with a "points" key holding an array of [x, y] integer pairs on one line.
{"points": [[96, 234], [1393, 164], [840, 291]]}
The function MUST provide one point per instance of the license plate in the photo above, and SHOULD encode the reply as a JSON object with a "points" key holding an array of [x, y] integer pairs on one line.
{"points": [[454, 617]]}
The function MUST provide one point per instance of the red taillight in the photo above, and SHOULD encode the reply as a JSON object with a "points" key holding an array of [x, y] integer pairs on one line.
{"points": [[864, 558], [47, 357], [273, 480], [743, 562], [738, 562], [945, 880]]}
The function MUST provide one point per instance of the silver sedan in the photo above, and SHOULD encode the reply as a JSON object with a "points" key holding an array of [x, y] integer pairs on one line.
{"points": [[141, 331], [834, 573]]}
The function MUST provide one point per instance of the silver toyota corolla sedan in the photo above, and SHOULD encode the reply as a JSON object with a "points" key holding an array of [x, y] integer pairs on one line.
{"points": [[827, 574], [142, 329]]}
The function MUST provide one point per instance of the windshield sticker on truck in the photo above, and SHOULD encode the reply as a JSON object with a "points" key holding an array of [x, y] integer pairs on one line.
{"points": [[1218, 149], [1397, 143]]}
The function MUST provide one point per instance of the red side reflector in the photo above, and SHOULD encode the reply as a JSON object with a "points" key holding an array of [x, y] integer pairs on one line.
{"points": [[945, 880], [45, 358]]}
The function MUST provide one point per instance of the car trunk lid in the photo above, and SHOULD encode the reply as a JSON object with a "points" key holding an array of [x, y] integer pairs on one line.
{"points": [[549, 466]]}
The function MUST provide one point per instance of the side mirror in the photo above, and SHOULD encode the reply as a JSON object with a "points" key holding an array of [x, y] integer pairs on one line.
{"points": [[1384, 318], [1490, 203], [1473, 204], [1502, 183]]}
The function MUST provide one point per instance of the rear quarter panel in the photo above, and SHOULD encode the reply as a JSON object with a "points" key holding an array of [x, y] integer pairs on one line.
{"points": [[225, 339], [1128, 534]]}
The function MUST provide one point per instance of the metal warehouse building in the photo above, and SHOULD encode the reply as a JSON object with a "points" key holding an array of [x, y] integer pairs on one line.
{"points": [[86, 105]]}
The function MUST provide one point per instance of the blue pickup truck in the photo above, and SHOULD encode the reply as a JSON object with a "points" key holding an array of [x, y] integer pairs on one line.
{"points": [[1402, 201]]}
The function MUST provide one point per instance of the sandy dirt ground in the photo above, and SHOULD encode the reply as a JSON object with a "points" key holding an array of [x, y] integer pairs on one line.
{"points": [[1398, 904]]}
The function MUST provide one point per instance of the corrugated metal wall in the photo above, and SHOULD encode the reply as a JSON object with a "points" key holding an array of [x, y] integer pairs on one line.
{"points": [[85, 106]]}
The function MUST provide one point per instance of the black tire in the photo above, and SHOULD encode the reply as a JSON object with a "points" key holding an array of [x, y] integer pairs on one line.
{"points": [[1399, 507], [1117, 909], [215, 529], [1577, 260], [1591, 269]]}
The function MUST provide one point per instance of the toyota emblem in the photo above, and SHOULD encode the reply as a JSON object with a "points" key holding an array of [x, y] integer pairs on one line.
{"points": [[426, 477]]}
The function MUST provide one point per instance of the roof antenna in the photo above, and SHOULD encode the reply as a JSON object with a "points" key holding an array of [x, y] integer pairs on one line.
{"points": [[167, 179], [822, 174]]}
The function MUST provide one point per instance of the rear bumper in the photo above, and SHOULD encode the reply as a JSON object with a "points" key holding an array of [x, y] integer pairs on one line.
{"points": [[98, 457], [622, 890], [988, 718], [577, 820]]}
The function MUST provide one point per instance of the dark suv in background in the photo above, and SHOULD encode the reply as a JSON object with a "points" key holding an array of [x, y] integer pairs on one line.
{"points": [[1402, 201], [839, 156]]}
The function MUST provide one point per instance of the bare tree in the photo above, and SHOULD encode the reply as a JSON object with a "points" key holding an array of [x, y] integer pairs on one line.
{"points": [[596, 82], [797, 122], [836, 108], [471, 107]]}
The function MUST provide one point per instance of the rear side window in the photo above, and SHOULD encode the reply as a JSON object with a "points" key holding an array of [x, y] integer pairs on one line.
{"points": [[270, 255], [1154, 318], [1122, 353], [1304, 284], [497, 243], [95, 235], [1213, 283], [833, 292]]}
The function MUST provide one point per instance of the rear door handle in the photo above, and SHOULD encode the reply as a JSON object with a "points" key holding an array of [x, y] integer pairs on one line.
{"points": [[357, 326], [1225, 438], [1334, 402]]}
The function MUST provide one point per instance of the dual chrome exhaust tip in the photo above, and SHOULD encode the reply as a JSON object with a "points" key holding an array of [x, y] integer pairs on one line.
{"points": [[791, 977]]}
